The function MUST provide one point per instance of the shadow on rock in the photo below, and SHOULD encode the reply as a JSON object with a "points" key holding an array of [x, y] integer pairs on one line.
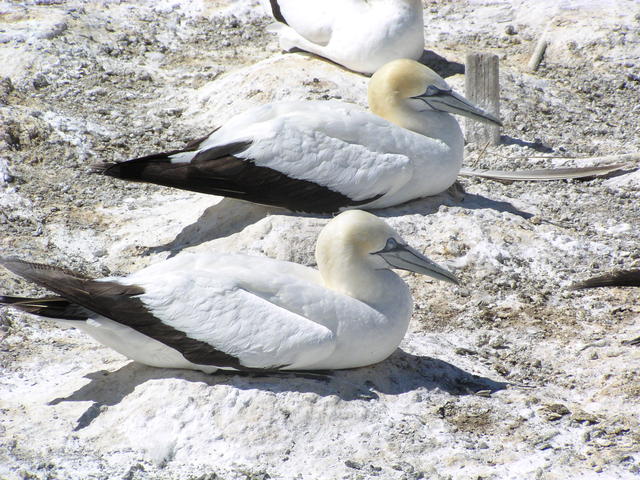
{"points": [[231, 216], [225, 218], [400, 373], [440, 65], [455, 196], [536, 145], [443, 67]]}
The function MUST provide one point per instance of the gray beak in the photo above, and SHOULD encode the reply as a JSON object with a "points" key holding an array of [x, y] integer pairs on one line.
{"points": [[405, 257], [450, 101]]}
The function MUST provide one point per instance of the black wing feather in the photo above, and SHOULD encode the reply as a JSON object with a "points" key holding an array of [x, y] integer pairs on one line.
{"points": [[49, 307], [277, 13], [221, 171], [621, 278]]}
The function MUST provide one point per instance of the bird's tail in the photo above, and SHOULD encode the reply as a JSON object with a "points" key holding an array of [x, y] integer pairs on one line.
{"points": [[101, 167], [79, 297], [178, 168], [49, 307], [133, 170], [621, 278], [49, 277]]}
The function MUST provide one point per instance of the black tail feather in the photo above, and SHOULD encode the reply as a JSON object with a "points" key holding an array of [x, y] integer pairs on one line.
{"points": [[112, 168], [93, 295], [50, 307], [276, 12], [158, 168], [622, 278], [224, 171]]}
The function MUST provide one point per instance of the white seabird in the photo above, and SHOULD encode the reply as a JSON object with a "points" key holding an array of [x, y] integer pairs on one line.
{"points": [[361, 35], [210, 311], [326, 156]]}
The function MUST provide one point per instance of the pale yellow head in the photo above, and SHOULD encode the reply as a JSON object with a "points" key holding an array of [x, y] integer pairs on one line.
{"points": [[397, 81], [356, 246], [353, 234], [407, 93]]}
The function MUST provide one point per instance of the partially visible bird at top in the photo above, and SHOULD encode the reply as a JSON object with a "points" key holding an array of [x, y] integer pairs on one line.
{"points": [[361, 35], [327, 156], [208, 311]]}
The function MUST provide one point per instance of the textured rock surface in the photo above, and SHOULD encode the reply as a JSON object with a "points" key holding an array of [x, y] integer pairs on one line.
{"points": [[510, 376]]}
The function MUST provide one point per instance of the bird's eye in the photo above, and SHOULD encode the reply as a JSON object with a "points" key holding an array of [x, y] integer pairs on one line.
{"points": [[391, 245], [432, 90]]}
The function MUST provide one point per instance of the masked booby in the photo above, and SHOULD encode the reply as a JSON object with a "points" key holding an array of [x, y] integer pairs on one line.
{"points": [[327, 156], [209, 311], [361, 35]]}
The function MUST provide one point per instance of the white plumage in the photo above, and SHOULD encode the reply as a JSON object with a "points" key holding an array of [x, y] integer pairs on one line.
{"points": [[209, 311], [361, 35], [323, 157], [339, 146]]}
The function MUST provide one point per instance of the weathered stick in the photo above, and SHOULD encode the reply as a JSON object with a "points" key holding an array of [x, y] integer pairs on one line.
{"points": [[543, 174], [538, 53], [620, 158], [482, 87]]}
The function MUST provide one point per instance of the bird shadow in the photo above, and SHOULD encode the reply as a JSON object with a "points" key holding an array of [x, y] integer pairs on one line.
{"points": [[230, 216], [455, 196], [222, 219], [402, 372], [536, 145], [443, 67]]}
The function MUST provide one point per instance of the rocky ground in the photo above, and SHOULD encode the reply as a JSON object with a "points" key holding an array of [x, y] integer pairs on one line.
{"points": [[512, 375]]}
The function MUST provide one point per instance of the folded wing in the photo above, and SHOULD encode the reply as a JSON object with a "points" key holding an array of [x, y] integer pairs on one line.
{"points": [[305, 156]]}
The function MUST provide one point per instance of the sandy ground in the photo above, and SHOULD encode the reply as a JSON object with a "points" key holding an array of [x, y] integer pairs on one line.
{"points": [[511, 375]]}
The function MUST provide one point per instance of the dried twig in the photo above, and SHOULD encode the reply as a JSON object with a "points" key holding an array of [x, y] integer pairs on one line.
{"points": [[622, 157], [538, 53], [635, 342], [481, 154], [544, 174]]}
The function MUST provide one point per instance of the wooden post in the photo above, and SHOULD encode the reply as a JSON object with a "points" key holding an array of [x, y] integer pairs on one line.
{"points": [[482, 87]]}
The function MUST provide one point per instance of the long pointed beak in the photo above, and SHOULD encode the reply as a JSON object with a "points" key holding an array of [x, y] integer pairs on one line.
{"points": [[405, 257], [450, 101]]}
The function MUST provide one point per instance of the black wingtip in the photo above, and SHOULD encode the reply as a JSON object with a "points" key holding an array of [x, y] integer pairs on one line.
{"points": [[276, 12], [633, 342], [33, 271], [56, 308], [6, 300], [11, 263], [621, 278], [101, 168]]}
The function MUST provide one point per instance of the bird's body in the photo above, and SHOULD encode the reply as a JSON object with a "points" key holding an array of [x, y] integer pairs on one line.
{"points": [[358, 34], [324, 157], [288, 319], [355, 153], [210, 311]]}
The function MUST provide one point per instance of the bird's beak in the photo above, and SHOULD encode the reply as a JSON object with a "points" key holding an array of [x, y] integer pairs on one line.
{"points": [[450, 101], [405, 257]]}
